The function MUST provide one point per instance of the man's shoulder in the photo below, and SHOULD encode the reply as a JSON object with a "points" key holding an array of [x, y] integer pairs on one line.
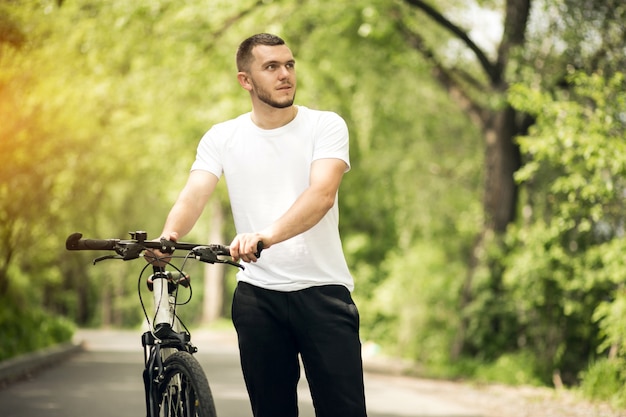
{"points": [[326, 116], [232, 123], [223, 130]]}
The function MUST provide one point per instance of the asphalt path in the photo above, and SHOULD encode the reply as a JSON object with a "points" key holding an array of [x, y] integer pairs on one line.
{"points": [[105, 380]]}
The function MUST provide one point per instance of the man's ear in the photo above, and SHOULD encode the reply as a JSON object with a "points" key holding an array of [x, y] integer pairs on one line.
{"points": [[244, 81]]}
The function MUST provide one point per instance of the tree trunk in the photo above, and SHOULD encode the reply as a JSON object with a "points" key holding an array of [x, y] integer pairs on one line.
{"points": [[213, 302], [502, 159], [499, 126], [106, 305]]}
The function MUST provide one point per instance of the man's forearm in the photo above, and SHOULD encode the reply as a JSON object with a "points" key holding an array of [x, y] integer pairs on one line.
{"points": [[305, 213], [180, 220], [313, 203], [190, 203]]}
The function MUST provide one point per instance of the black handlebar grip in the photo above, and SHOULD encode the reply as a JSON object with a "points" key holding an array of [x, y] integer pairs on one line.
{"points": [[259, 248], [74, 242]]}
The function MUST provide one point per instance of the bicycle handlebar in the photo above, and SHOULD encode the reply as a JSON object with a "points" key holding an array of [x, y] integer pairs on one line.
{"points": [[76, 242], [132, 248]]}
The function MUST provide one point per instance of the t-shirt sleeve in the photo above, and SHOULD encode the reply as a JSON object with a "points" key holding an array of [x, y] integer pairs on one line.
{"points": [[208, 155], [333, 139]]}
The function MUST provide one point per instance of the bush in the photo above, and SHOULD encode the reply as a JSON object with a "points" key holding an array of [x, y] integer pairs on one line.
{"points": [[511, 369], [30, 329], [605, 380]]}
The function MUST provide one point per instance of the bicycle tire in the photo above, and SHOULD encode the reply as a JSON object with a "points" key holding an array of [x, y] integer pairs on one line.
{"points": [[184, 389]]}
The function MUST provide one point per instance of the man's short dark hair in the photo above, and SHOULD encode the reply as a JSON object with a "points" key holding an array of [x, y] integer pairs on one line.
{"points": [[244, 52]]}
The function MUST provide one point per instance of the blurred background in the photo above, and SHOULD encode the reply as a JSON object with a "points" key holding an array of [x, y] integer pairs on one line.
{"points": [[483, 218]]}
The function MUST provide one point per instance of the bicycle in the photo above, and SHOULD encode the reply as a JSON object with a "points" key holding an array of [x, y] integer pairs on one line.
{"points": [[175, 384]]}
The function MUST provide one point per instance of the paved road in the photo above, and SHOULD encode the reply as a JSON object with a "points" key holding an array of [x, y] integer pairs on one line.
{"points": [[105, 380]]}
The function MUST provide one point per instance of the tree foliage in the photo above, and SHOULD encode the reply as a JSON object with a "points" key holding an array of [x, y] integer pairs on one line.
{"points": [[566, 268]]}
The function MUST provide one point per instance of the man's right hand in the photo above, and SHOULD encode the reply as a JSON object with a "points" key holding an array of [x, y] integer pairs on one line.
{"points": [[158, 258], [245, 246]]}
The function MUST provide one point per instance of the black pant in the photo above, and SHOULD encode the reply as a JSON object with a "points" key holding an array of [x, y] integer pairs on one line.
{"points": [[322, 325]]}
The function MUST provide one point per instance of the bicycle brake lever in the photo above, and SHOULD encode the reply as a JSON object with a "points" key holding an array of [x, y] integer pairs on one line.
{"points": [[132, 251], [229, 262], [205, 254], [104, 258]]}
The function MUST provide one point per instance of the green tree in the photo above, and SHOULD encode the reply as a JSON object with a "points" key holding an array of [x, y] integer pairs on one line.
{"points": [[536, 45], [102, 123], [565, 274]]}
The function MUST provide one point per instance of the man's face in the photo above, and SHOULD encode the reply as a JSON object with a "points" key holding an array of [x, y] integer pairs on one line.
{"points": [[272, 75]]}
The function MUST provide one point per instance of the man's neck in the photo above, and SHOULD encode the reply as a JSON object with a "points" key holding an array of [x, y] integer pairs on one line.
{"points": [[273, 118]]}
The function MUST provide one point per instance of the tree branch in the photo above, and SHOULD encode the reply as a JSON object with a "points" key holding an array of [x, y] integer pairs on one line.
{"points": [[490, 69], [232, 20], [444, 76]]}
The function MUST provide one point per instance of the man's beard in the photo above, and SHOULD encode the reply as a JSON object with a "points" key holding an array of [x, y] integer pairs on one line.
{"points": [[266, 98]]}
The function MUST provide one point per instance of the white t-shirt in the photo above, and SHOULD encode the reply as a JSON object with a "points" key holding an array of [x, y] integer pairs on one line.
{"points": [[265, 172]]}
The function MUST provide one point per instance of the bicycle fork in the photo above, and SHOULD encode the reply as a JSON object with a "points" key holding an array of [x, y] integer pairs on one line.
{"points": [[162, 339]]}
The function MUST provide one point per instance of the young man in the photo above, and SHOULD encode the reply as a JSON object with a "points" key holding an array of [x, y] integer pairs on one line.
{"points": [[283, 165]]}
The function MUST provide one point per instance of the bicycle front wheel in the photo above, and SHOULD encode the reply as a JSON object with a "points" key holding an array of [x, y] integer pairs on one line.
{"points": [[184, 390]]}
